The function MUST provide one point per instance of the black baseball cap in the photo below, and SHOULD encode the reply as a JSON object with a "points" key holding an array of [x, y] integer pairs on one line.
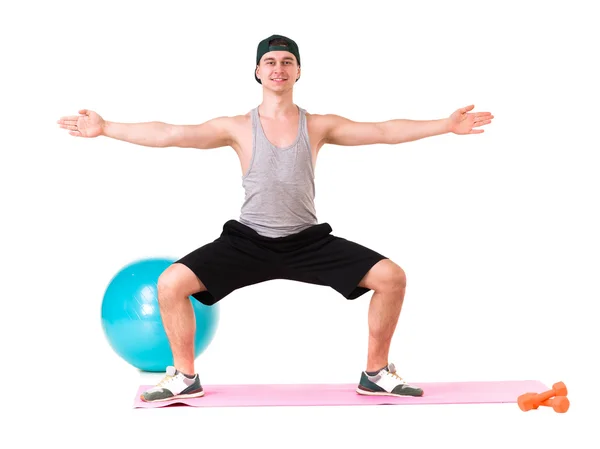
{"points": [[265, 46]]}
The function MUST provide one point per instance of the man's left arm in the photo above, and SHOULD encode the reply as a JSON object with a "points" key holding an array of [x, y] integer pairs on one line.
{"points": [[341, 131]]}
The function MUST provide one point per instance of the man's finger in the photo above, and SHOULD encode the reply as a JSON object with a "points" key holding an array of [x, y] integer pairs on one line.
{"points": [[67, 122], [70, 117], [71, 127]]}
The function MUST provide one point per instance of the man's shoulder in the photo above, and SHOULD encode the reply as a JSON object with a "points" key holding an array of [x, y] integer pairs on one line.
{"points": [[240, 119], [232, 122], [321, 121], [236, 126]]}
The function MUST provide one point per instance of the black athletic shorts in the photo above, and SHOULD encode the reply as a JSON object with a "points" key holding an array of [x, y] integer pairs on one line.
{"points": [[241, 257]]}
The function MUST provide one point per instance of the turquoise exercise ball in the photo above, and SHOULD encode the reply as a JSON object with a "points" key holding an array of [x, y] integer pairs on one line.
{"points": [[132, 322]]}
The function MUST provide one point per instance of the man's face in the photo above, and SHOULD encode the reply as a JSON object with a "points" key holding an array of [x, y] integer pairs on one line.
{"points": [[278, 70]]}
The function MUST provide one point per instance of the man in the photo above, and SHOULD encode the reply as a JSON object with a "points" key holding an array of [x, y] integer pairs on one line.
{"points": [[278, 235]]}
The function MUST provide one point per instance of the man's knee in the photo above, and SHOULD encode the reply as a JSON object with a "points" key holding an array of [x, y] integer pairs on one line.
{"points": [[178, 281], [385, 276], [396, 278]]}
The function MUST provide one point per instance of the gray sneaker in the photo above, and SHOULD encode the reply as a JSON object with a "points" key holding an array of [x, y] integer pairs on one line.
{"points": [[174, 386], [386, 383]]}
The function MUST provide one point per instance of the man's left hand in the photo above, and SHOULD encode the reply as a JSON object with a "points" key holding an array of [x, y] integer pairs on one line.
{"points": [[464, 122]]}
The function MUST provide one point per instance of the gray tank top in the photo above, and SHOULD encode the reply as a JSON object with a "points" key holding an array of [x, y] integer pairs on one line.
{"points": [[279, 184]]}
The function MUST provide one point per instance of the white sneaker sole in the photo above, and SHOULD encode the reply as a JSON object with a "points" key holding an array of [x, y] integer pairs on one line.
{"points": [[384, 393], [179, 396]]}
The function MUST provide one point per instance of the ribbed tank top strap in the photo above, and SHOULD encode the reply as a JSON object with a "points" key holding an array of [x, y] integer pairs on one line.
{"points": [[255, 125], [260, 141], [304, 127]]}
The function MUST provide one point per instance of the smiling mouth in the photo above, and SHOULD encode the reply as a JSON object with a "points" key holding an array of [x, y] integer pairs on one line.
{"points": [[278, 79]]}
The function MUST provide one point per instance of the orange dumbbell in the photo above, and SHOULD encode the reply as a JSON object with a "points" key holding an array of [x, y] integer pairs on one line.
{"points": [[529, 401], [560, 404]]}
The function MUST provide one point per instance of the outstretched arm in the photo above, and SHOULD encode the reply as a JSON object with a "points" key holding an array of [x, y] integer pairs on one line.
{"points": [[341, 131], [213, 133]]}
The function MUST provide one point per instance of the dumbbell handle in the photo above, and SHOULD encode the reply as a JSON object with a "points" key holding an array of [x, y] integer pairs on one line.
{"points": [[541, 397]]}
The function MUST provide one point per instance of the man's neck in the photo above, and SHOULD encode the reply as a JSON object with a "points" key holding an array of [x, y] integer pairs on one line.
{"points": [[277, 106]]}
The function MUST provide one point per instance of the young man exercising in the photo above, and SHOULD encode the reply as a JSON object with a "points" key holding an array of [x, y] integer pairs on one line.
{"points": [[278, 235]]}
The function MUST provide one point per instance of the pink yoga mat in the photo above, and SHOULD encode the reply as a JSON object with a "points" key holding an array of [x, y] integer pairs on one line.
{"points": [[260, 395]]}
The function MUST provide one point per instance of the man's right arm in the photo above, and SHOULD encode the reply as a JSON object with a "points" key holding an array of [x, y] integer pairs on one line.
{"points": [[214, 133]]}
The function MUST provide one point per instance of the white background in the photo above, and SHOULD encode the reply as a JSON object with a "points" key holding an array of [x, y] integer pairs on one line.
{"points": [[498, 232]]}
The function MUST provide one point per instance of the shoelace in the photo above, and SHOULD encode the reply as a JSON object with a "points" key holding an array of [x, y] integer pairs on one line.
{"points": [[393, 374], [165, 380]]}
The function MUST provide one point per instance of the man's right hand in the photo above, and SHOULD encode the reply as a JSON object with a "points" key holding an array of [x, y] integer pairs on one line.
{"points": [[88, 124]]}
